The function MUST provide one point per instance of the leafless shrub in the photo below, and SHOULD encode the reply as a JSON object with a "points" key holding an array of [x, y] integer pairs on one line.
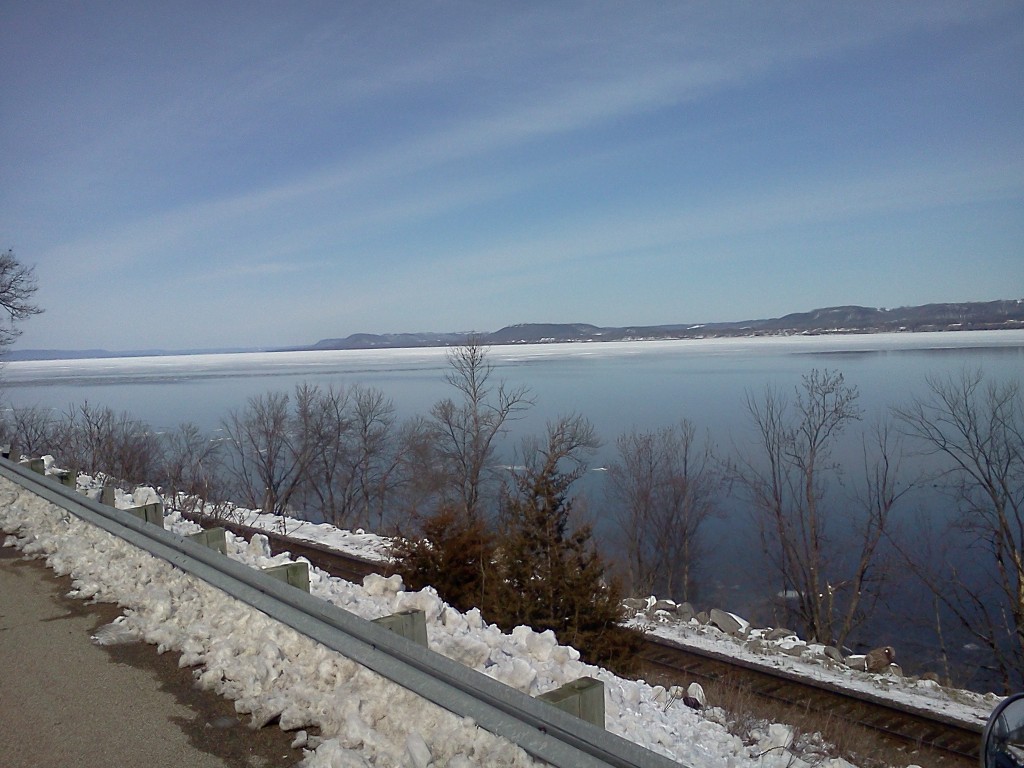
{"points": [[31, 430], [192, 470], [269, 451], [354, 456], [97, 439], [663, 488]]}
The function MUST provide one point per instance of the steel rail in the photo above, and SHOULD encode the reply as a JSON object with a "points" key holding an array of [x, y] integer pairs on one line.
{"points": [[868, 697], [540, 729]]}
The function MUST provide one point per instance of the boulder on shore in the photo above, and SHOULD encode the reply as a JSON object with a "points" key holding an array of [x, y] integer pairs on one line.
{"points": [[727, 622], [879, 659]]}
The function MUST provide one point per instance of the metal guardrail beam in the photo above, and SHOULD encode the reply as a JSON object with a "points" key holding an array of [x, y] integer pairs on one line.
{"points": [[543, 731]]}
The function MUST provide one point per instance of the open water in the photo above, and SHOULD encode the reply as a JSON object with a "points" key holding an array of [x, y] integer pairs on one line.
{"points": [[617, 385]]}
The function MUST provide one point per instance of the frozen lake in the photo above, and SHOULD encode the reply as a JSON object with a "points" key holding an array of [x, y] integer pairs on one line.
{"points": [[617, 385]]}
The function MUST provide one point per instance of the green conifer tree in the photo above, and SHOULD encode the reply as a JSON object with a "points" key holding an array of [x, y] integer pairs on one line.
{"points": [[550, 573]]}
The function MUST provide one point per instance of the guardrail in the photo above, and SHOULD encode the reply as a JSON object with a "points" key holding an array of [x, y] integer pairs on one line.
{"points": [[542, 730]]}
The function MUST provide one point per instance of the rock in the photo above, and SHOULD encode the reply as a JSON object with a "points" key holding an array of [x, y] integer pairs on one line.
{"points": [[691, 702], [259, 546], [702, 617], [696, 692], [779, 737], [725, 622], [930, 676], [685, 611], [856, 662], [879, 659], [794, 649], [896, 669], [833, 653], [634, 604], [662, 605], [780, 633]]}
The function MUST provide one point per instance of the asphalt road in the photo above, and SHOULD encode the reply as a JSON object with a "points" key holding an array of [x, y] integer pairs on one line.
{"points": [[65, 701]]}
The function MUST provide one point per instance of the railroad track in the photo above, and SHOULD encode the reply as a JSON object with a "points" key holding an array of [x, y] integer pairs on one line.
{"points": [[937, 740]]}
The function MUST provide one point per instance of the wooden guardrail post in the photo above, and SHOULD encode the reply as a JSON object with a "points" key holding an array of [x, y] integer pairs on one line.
{"points": [[296, 574], [151, 513], [214, 538], [583, 698], [412, 625], [69, 479], [107, 495]]}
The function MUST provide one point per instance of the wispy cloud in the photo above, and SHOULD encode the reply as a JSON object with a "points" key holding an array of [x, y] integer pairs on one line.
{"points": [[365, 141]]}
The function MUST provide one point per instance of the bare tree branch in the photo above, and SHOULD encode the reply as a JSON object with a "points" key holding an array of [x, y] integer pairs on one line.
{"points": [[976, 428], [17, 288]]}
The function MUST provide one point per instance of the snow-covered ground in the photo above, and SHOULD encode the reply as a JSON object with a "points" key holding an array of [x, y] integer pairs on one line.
{"points": [[361, 719], [760, 646], [765, 648]]}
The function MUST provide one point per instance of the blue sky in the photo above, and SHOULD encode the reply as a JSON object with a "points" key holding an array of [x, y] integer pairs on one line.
{"points": [[255, 174]]}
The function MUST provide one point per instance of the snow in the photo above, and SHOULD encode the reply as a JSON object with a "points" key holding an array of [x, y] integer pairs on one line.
{"points": [[314, 361], [787, 653], [271, 671], [809, 661], [358, 543]]}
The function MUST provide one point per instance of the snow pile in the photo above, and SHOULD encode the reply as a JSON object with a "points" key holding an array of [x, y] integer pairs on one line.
{"points": [[770, 647], [776, 649], [359, 543], [268, 669], [272, 672]]}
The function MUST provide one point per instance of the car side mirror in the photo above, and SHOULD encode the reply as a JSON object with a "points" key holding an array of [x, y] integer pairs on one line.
{"points": [[1002, 742]]}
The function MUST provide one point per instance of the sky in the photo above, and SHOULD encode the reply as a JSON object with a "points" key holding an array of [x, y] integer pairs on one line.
{"points": [[256, 174]]}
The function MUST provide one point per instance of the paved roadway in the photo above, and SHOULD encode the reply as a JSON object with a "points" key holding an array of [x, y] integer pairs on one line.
{"points": [[65, 701]]}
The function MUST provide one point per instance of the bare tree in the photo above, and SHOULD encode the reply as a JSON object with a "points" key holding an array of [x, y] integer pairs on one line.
{"points": [[375, 460], [328, 478], [976, 429], [353, 454], [466, 429], [32, 430], [663, 486], [419, 487], [191, 470], [17, 289], [98, 439], [270, 449], [826, 571]]}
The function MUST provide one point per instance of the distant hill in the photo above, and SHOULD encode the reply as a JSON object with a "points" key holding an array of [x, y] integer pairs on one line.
{"points": [[988, 315], [965, 316], [391, 341]]}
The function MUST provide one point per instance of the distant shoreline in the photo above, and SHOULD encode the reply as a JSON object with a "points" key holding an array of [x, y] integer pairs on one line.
{"points": [[808, 344], [1003, 315]]}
